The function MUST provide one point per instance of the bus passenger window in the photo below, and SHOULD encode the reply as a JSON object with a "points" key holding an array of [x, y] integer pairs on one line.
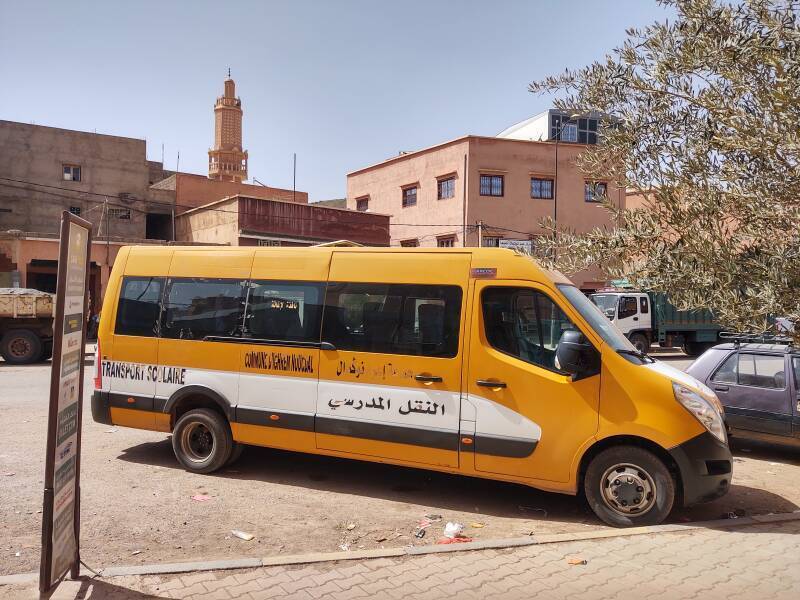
{"points": [[524, 323], [196, 308], [139, 305], [417, 320], [284, 311]]}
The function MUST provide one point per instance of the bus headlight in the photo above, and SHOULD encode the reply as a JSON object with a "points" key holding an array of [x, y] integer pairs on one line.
{"points": [[703, 409]]}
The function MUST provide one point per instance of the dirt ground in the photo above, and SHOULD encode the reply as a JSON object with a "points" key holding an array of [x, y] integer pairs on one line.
{"points": [[137, 504]]}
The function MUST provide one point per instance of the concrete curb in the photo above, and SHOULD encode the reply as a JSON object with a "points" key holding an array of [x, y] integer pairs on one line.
{"points": [[304, 559]]}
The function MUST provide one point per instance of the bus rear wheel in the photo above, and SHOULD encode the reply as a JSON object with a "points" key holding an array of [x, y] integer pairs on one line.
{"points": [[202, 441], [628, 486]]}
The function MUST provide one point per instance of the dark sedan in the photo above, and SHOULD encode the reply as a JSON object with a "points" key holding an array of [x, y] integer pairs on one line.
{"points": [[759, 386]]}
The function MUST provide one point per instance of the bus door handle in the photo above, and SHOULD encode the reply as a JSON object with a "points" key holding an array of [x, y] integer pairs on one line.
{"points": [[428, 378], [491, 383], [635, 318], [721, 388]]}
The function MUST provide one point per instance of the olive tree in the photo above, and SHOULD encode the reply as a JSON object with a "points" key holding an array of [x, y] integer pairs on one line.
{"points": [[703, 120]]}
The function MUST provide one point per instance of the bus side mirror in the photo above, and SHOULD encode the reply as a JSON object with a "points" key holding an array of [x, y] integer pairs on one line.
{"points": [[575, 355], [610, 314]]}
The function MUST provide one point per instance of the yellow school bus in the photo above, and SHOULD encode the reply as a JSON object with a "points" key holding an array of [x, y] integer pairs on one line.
{"points": [[473, 361]]}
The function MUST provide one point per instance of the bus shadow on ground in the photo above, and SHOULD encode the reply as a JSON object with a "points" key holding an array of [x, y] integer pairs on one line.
{"points": [[442, 491]]}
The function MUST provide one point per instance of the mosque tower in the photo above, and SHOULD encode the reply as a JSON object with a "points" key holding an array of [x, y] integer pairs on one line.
{"points": [[227, 161]]}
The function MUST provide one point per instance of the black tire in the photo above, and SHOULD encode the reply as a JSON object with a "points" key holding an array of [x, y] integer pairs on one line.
{"points": [[612, 480], [641, 342], [695, 349], [202, 440], [238, 448], [21, 347], [690, 349]]}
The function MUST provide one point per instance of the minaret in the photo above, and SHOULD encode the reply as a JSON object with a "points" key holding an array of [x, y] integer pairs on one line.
{"points": [[227, 161]]}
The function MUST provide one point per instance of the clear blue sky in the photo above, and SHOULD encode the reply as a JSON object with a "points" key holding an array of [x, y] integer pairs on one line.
{"points": [[343, 83]]}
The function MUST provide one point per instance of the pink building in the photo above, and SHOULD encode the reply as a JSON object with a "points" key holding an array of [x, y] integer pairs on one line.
{"points": [[438, 196]]}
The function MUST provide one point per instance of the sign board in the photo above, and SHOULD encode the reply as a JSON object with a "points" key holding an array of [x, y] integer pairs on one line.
{"points": [[61, 508], [525, 246]]}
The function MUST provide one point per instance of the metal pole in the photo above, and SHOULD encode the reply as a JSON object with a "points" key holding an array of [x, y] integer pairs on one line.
{"points": [[175, 197], [108, 238], [555, 186], [465, 178], [294, 176], [480, 234]]}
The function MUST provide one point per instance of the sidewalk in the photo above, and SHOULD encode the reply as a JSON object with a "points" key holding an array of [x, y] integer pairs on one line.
{"points": [[733, 563]]}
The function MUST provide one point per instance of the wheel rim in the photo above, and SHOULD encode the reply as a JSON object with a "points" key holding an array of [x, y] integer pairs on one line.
{"points": [[640, 345], [197, 442], [20, 347], [628, 489]]}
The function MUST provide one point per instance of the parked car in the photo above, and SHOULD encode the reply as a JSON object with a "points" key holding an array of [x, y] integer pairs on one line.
{"points": [[759, 386]]}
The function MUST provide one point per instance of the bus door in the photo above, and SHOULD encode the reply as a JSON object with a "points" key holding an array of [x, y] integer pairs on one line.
{"points": [[390, 364], [279, 363], [201, 322], [530, 419]]}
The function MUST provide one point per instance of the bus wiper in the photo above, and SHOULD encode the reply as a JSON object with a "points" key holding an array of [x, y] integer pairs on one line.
{"points": [[640, 355]]}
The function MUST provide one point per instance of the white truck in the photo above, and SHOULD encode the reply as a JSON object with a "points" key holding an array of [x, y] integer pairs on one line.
{"points": [[647, 318], [26, 325]]}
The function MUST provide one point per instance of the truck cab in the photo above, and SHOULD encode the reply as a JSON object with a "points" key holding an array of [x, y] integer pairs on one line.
{"points": [[631, 312]]}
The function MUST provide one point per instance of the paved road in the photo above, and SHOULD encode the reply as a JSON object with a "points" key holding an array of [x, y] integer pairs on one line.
{"points": [[757, 561]]}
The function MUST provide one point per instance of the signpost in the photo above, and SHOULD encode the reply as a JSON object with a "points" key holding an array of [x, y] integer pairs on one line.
{"points": [[61, 509], [525, 246]]}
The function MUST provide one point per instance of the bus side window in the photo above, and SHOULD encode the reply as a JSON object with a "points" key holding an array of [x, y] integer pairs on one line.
{"points": [[524, 323], [197, 307], [284, 311], [411, 319], [139, 306]]}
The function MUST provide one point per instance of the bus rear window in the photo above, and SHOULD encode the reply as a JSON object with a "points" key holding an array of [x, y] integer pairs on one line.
{"points": [[139, 305]]}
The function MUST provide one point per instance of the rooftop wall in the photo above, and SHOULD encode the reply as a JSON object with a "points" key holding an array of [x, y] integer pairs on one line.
{"points": [[197, 190]]}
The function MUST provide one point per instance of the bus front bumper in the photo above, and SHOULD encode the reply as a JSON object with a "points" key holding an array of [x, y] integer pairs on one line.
{"points": [[705, 466]]}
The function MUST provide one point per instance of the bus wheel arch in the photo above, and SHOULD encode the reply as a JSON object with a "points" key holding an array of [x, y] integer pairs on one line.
{"points": [[193, 397], [605, 448]]}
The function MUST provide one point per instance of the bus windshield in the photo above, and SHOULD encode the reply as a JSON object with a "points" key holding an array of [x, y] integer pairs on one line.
{"points": [[593, 315]]}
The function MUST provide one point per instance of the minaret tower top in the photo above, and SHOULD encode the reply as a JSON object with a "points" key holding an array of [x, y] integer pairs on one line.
{"points": [[226, 160]]}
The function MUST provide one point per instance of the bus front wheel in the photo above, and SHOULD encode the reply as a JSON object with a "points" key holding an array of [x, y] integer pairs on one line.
{"points": [[628, 486], [202, 440]]}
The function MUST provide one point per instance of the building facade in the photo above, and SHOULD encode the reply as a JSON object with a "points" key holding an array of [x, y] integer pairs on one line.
{"points": [[492, 191], [104, 179]]}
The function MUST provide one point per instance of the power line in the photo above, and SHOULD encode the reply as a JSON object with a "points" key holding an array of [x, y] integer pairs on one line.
{"points": [[105, 203], [190, 207]]}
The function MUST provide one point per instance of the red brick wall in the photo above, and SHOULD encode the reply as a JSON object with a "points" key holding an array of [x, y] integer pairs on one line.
{"points": [[312, 222], [196, 190]]}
